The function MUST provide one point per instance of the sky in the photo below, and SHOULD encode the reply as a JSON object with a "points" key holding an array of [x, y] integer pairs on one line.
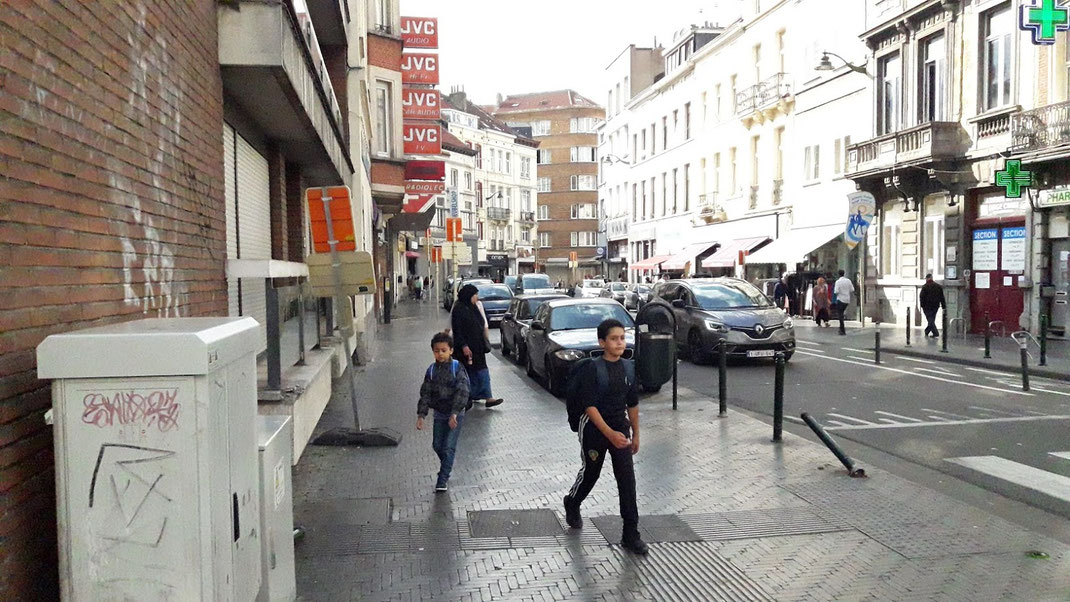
{"points": [[511, 47]]}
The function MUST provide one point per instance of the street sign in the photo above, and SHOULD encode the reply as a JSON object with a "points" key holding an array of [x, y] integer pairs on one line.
{"points": [[425, 170], [419, 68], [422, 138], [454, 229], [415, 187], [357, 274], [436, 254], [420, 103], [341, 218], [417, 203], [419, 32], [458, 252], [455, 208]]}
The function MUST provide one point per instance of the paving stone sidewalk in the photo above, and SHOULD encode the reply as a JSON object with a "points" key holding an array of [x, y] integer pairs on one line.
{"points": [[729, 515]]}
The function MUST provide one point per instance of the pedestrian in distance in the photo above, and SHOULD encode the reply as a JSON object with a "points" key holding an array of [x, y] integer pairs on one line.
{"points": [[468, 326], [822, 302], [603, 407], [931, 299], [843, 290], [780, 292], [445, 391]]}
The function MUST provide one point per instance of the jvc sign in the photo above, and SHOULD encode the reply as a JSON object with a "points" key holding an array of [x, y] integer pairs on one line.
{"points": [[422, 139], [420, 103], [419, 32], [419, 69]]}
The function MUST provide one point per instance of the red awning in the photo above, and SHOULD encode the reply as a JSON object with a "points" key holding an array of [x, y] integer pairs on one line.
{"points": [[650, 263], [412, 254], [680, 260], [728, 254]]}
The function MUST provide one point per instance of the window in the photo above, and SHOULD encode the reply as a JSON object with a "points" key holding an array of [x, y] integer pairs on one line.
{"points": [[757, 62], [635, 201], [732, 181], [544, 239], [382, 15], [543, 156], [525, 200], [525, 168], [644, 200], [509, 163], [583, 154], [635, 147], [540, 128], [889, 89], [544, 212], [717, 99], [664, 191], [687, 120], [664, 133], [778, 165], [644, 143], [812, 163], [543, 185], [583, 125], [584, 183], [584, 239], [716, 172], [782, 59], [384, 120], [754, 142], [675, 189], [500, 156], [468, 180], [891, 245], [585, 211], [998, 29], [934, 238], [732, 93], [705, 109], [687, 185], [454, 178], [840, 155], [933, 75]]}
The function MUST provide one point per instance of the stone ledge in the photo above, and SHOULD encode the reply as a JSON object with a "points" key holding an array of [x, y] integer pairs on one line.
{"points": [[305, 392]]}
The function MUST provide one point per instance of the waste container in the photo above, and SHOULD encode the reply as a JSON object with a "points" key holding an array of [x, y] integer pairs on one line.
{"points": [[655, 345], [156, 459], [277, 578]]}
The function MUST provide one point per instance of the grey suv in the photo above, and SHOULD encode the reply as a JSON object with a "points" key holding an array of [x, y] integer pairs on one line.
{"points": [[711, 310]]}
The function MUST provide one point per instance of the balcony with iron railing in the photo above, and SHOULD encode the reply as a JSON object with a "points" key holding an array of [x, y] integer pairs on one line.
{"points": [[498, 213], [915, 146], [709, 210], [527, 217], [1038, 129], [765, 99]]}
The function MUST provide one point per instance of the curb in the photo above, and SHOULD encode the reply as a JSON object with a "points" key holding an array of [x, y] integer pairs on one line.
{"points": [[1011, 369]]}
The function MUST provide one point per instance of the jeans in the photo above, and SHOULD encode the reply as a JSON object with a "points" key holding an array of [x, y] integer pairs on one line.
{"points": [[841, 308], [444, 443], [930, 318], [594, 447]]}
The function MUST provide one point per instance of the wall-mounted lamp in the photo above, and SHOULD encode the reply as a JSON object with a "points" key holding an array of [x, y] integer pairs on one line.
{"points": [[826, 65], [611, 159]]}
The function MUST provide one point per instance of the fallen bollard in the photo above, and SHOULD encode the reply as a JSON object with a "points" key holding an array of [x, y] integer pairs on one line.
{"points": [[778, 398], [722, 379], [831, 444]]}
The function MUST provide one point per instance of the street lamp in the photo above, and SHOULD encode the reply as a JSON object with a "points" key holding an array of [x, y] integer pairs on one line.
{"points": [[826, 64], [611, 159]]}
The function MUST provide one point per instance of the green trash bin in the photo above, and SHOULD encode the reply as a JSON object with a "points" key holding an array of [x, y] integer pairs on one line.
{"points": [[657, 352]]}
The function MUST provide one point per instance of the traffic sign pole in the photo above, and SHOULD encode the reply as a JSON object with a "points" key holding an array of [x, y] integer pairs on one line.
{"points": [[339, 297]]}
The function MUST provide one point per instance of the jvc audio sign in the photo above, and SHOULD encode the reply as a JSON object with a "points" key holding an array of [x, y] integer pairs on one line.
{"points": [[422, 139], [420, 103], [419, 32], [418, 68]]}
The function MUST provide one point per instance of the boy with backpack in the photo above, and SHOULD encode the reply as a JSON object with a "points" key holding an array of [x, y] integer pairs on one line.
{"points": [[603, 407], [444, 390]]}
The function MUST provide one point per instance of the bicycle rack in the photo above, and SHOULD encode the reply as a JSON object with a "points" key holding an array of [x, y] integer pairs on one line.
{"points": [[1026, 336], [951, 323], [1002, 327]]}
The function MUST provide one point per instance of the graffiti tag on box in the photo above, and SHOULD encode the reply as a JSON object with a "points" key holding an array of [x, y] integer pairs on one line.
{"points": [[146, 408]]}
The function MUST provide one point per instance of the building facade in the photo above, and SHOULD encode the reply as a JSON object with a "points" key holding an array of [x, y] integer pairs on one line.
{"points": [[564, 124]]}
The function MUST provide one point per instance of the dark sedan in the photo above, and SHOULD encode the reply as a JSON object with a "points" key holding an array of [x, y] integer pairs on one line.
{"points": [[516, 321], [495, 299], [643, 294], [621, 293], [564, 331]]}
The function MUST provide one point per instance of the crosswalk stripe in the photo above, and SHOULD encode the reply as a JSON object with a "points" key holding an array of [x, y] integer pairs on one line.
{"points": [[858, 420], [1064, 455], [983, 371], [900, 416], [994, 411], [861, 359], [857, 350], [858, 427], [916, 359], [960, 416], [1048, 483], [939, 371]]}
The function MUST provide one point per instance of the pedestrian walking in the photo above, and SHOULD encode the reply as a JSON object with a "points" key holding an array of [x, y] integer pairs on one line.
{"points": [[931, 299], [470, 344], [780, 292], [843, 289], [822, 302], [444, 390], [794, 284], [603, 407], [417, 288]]}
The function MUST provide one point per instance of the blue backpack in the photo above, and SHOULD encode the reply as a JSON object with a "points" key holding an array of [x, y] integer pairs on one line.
{"points": [[574, 403], [454, 365]]}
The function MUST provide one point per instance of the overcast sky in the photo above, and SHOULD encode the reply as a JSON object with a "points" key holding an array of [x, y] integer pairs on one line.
{"points": [[509, 47]]}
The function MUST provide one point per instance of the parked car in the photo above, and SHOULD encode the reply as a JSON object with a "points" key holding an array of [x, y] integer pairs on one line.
{"points": [[564, 331], [495, 299], [619, 292], [449, 292], [711, 310], [643, 294], [589, 288], [516, 321]]}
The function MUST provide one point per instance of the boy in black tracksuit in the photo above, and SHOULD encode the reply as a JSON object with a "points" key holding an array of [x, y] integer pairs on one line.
{"points": [[610, 424]]}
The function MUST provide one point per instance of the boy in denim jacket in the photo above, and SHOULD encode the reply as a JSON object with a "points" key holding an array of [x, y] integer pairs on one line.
{"points": [[444, 390]]}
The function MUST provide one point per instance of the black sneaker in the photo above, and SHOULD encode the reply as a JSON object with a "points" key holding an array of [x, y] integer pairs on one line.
{"points": [[572, 514], [635, 546], [494, 402], [440, 487]]}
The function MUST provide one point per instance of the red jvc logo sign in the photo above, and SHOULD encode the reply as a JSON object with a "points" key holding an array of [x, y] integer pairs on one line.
{"points": [[422, 139], [419, 32], [420, 103], [419, 68]]}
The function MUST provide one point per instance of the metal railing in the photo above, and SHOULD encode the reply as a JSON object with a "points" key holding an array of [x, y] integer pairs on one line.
{"points": [[527, 216], [961, 321], [1002, 327], [498, 213], [1039, 128], [762, 94]]}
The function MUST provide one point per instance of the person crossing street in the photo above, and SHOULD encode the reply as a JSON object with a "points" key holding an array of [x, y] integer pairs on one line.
{"points": [[931, 299]]}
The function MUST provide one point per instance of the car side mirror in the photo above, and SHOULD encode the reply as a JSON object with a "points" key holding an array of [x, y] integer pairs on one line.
{"points": [[678, 303], [537, 325]]}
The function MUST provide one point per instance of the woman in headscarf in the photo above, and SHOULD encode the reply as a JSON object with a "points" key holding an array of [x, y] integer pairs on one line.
{"points": [[470, 347]]}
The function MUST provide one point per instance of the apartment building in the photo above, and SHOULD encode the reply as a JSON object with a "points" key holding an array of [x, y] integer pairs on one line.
{"points": [[564, 124]]}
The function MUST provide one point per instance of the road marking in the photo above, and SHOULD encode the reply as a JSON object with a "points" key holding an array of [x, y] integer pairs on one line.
{"points": [[939, 418], [1048, 483], [817, 351], [1064, 455], [907, 418], [857, 350], [837, 424], [911, 373], [993, 411], [945, 413], [888, 421], [801, 342], [858, 420], [915, 359], [983, 371], [1064, 393], [794, 419], [854, 427], [939, 371], [861, 359]]}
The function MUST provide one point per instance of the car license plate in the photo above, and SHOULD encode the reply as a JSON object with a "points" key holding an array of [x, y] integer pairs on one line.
{"points": [[761, 353]]}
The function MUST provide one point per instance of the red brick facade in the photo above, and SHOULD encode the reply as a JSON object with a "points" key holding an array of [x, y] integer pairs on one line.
{"points": [[110, 209], [384, 51]]}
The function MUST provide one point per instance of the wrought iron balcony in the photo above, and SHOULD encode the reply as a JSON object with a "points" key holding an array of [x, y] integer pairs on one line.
{"points": [[498, 213], [764, 95], [709, 210], [919, 145], [527, 216], [1041, 128]]}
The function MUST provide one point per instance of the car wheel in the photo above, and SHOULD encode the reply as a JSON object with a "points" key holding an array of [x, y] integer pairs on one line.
{"points": [[521, 353], [694, 348], [531, 368], [553, 383], [652, 389], [506, 350]]}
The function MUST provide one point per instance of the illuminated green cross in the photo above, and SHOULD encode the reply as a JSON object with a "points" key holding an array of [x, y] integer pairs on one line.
{"points": [[1049, 18], [1013, 178]]}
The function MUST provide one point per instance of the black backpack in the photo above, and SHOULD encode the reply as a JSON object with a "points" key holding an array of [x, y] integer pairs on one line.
{"points": [[574, 402]]}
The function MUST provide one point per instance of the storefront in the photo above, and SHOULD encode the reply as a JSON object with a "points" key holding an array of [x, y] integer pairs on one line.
{"points": [[998, 280], [496, 266]]}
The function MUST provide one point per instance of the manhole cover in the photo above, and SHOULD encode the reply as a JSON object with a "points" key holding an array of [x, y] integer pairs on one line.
{"points": [[656, 528], [513, 523]]}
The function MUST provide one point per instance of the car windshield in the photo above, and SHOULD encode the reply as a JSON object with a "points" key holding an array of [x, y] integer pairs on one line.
{"points": [[510, 281], [593, 284], [729, 295], [494, 292], [572, 317], [534, 305], [618, 286], [642, 289], [537, 281]]}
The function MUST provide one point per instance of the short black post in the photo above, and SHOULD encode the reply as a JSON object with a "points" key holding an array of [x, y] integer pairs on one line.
{"points": [[877, 345], [674, 366], [301, 323], [388, 299], [908, 327], [829, 443], [943, 335], [722, 379], [778, 398], [1043, 339], [988, 338], [1025, 364]]}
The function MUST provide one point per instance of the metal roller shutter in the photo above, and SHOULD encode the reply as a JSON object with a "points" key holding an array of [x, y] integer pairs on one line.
{"points": [[230, 197]]}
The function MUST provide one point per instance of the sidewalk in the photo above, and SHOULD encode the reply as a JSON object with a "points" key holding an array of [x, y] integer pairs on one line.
{"points": [[968, 350], [729, 515]]}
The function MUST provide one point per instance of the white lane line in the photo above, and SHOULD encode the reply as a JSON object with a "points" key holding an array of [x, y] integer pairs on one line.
{"points": [[945, 413], [939, 418], [888, 421], [855, 427], [994, 411], [861, 359], [916, 359], [912, 373], [857, 350], [900, 416], [983, 371], [794, 419], [1064, 393], [939, 371], [1064, 455], [802, 342], [1048, 483], [837, 423], [816, 351], [858, 420]]}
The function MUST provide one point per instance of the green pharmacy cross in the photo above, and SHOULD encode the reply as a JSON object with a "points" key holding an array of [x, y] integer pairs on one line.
{"points": [[1013, 178], [1043, 20]]}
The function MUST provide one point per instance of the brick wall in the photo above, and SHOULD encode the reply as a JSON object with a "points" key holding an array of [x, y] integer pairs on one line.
{"points": [[384, 51], [295, 213], [110, 209]]}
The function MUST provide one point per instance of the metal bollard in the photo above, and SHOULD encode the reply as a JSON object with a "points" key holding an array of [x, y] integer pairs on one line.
{"points": [[1043, 339], [988, 338], [877, 345], [1025, 364], [908, 327], [778, 398], [829, 443], [943, 335], [675, 362], [722, 379]]}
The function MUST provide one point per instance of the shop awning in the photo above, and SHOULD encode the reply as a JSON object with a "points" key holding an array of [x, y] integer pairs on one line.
{"points": [[690, 252], [728, 254], [650, 263], [412, 254], [794, 246]]}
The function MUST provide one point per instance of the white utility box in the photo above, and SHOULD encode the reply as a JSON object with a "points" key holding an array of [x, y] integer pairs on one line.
{"points": [[277, 574], [156, 459]]}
